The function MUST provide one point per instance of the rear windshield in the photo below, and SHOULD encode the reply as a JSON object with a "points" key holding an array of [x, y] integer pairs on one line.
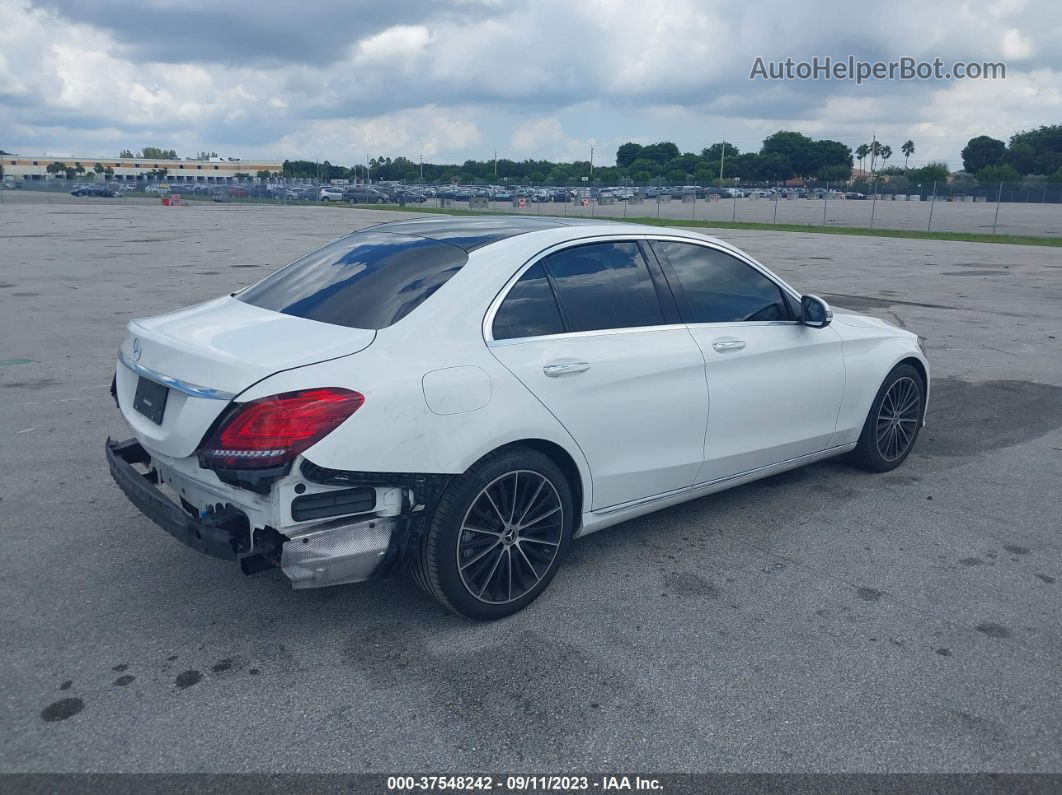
{"points": [[365, 280]]}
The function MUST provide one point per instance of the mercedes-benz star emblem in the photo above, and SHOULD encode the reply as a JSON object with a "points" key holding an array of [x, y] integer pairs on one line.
{"points": [[136, 348]]}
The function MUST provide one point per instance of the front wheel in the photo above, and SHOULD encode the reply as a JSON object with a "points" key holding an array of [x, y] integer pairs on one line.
{"points": [[892, 425], [498, 535]]}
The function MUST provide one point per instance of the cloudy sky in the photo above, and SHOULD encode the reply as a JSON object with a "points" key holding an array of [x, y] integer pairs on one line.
{"points": [[457, 79]]}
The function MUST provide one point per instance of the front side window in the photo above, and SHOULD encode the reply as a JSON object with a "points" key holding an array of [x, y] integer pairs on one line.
{"points": [[529, 310], [719, 288], [367, 280], [604, 286]]}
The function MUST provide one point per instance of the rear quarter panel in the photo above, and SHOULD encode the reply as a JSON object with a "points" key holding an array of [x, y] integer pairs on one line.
{"points": [[396, 430]]}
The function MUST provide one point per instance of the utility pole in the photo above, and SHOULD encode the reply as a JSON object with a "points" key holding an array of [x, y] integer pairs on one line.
{"points": [[591, 164], [421, 166], [368, 170], [495, 165], [722, 156]]}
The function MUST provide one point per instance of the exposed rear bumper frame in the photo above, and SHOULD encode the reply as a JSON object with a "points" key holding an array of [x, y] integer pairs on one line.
{"points": [[218, 535]]}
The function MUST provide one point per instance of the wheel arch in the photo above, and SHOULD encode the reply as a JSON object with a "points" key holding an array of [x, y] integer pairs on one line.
{"points": [[923, 372], [564, 461]]}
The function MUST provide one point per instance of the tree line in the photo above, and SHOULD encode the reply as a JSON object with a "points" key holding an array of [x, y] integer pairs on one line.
{"points": [[1031, 156], [784, 155], [1030, 152]]}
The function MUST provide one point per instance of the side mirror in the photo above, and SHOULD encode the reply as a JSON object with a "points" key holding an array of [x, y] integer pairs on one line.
{"points": [[814, 312]]}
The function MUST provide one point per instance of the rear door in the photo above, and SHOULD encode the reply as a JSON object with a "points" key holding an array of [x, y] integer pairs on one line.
{"points": [[774, 385], [591, 330]]}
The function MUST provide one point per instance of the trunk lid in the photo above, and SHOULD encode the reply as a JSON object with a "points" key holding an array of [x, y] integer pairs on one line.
{"points": [[207, 354]]}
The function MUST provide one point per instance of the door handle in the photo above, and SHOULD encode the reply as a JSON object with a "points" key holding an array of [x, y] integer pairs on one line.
{"points": [[563, 368], [728, 345]]}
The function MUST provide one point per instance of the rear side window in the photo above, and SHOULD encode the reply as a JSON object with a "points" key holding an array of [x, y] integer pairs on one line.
{"points": [[529, 310], [367, 280], [604, 286], [719, 288]]}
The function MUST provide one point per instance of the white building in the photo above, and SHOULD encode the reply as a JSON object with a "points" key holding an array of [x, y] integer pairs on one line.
{"points": [[17, 168]]}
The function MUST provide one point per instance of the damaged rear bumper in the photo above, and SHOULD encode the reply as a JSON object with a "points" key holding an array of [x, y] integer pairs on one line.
{"points": [[312, 555], [209, 536]]}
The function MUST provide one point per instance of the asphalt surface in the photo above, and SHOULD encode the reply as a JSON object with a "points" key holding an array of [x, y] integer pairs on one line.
{"points": [[822, 620]]}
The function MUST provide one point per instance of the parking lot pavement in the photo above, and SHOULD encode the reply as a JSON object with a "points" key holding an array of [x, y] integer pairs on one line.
{"points": [[824, 619]]}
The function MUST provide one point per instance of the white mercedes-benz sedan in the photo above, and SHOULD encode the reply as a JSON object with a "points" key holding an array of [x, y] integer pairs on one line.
{"points": [[467, 395]]}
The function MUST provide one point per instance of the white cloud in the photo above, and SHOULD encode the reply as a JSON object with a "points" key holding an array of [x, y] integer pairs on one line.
{"points": [[429, 131], [1015, 45], [537, 134], [393, 47]]}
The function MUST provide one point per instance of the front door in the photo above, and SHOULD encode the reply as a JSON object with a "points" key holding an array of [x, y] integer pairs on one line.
{"points": [[774, 385]]}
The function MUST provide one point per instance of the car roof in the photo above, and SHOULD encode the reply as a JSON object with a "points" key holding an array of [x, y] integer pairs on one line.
{"points": [[473, 232], [470, 233]]}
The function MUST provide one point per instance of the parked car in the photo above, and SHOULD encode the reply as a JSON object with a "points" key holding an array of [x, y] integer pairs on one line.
{"points": [[466, 395], [408, 196], [363, 194], [330, 194], [98, 191]]}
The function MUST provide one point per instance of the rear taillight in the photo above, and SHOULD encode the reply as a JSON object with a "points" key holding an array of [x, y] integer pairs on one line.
{"points": [[272, 431]]}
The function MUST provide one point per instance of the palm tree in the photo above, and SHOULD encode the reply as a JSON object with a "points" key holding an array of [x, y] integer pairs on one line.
{"points": [[56, 167], [861, 152], [875, 152], [886, 153], [908, 150], [79, 169]]}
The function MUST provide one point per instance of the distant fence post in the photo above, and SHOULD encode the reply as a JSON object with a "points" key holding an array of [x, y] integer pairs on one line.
{"points": [[999, 194], [932, 202], [874, 204], [775, 199], [825, 198], [733, 216]]}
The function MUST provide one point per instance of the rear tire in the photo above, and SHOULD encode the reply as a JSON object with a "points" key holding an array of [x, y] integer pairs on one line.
{"points": [[498, 535], [892, 425]]}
